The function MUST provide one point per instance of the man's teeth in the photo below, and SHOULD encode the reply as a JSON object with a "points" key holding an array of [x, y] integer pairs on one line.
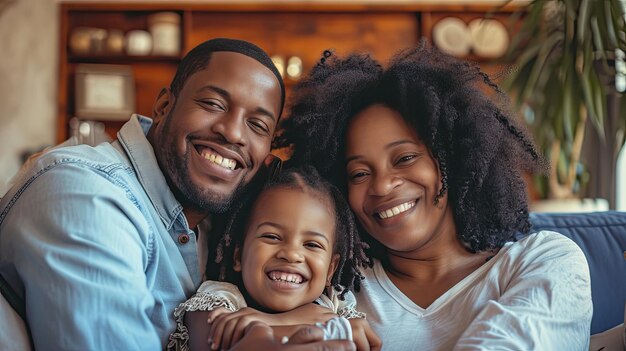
{"points": [[396, 210], [285, 277], [222, 161]]}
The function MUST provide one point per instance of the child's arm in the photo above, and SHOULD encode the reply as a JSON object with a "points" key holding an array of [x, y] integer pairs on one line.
{"points": [[193, 313], [228, 327]]}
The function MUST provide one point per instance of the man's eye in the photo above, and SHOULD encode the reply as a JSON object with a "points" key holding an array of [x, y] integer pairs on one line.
{"points": [[259, 127], [212, 104]]}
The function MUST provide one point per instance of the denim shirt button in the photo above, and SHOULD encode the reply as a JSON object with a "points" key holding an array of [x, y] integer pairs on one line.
{"points": [[183, 238]]}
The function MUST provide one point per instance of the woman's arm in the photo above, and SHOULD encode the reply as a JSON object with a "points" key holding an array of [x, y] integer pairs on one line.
{"points": [[546, 303]]}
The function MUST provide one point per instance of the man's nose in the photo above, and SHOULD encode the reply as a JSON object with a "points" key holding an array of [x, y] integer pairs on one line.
{"points": [[231, 125]]}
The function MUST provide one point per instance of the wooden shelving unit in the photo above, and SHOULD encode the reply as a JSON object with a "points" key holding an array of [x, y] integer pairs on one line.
{"points": [[302, 28]]}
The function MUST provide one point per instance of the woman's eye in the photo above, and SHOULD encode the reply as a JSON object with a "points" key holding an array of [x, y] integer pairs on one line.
{"points": [[406, 158], [270, 236]]}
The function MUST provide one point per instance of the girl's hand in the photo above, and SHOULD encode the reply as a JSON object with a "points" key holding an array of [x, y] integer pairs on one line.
{"points": [[363, 335], [227, 327]]}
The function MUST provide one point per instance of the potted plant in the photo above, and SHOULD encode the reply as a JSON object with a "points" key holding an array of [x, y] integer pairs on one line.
{"points": [[567, 54]]}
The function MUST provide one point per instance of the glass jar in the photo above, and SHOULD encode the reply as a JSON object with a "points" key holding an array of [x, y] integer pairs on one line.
{"points": [[165, 30]]}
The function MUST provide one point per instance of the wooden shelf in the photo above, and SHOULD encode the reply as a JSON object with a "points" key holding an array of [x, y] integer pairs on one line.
{"points": [[299, 28], [121, 59]]}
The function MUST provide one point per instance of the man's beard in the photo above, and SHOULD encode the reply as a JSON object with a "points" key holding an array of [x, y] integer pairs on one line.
{"points": [[176, 171], [188, 194]]}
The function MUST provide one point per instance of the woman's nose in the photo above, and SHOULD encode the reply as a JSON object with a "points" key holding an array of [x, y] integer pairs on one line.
{"points": [[383, 183]]}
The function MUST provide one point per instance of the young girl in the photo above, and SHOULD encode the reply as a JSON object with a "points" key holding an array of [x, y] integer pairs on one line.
{"points": [[296, 244]]}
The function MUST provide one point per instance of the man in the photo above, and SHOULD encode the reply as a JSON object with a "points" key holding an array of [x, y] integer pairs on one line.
{"points": [[103, 242]]}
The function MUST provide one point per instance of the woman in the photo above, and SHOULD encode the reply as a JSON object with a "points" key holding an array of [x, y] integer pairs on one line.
{"points": [[433, 171]]}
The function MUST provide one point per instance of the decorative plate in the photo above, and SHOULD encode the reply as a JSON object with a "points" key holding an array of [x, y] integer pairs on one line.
{"points": [[452, 36], [489, 37]]}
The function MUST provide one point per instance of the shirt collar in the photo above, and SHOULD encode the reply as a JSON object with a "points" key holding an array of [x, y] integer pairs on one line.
{"points": [[132, 137]]}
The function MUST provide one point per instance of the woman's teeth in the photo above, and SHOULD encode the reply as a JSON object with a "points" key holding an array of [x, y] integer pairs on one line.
{"points": [[396, 210], [219, 160]]}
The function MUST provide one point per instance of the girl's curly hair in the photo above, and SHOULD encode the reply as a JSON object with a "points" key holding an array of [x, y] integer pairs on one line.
{"points": [[348, 245], [480, 148]]}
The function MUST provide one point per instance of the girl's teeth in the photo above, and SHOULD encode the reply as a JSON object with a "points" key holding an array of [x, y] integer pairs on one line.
{"points": [[396, 210], [286, 277]]}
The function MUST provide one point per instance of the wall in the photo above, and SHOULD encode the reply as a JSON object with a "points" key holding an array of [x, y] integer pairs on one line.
{"points": [[28, 71]]}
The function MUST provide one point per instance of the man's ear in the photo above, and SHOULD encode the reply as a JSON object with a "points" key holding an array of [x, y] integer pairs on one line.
{"points": [[334, 262], [237, 259], [164, 104]]}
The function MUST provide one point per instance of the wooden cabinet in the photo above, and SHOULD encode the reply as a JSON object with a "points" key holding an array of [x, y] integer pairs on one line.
{"points": [[302, 29]]}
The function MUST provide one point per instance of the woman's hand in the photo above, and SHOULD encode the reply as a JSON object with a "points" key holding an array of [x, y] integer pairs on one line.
{"points": [[363, 335], [259, 336]]}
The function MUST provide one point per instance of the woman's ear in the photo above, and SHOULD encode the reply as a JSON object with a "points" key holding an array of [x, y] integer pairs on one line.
{"points": [[164, 104], [237, 259], [438, 202], [334, 262]]}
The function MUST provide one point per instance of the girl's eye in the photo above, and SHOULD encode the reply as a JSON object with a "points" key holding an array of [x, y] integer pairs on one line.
{"points": [[314, 245]]}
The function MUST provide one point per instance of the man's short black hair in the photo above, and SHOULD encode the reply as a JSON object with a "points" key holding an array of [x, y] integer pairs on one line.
{"points": [[199, 57]]}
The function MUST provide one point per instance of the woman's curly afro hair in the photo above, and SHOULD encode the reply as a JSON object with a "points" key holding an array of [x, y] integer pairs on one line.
{"points": [[481, 150]]}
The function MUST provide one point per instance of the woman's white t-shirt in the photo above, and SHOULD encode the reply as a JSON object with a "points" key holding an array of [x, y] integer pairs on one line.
{"points": [[535, 294]]}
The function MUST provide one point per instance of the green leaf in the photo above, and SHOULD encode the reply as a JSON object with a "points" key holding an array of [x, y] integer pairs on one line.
{"points": [[548, 47], [583, 19], [588, 70], [568, 111], [599, 97]]}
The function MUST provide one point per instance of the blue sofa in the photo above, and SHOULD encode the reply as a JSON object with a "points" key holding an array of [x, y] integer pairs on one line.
{"points": [[602, 237]]}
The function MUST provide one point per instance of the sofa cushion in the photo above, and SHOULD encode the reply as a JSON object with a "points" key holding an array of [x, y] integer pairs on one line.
{"points": [[602, 237]]}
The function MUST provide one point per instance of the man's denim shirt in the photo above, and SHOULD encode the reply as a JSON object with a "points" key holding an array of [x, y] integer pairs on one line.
{"points": [[98, 245]]}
